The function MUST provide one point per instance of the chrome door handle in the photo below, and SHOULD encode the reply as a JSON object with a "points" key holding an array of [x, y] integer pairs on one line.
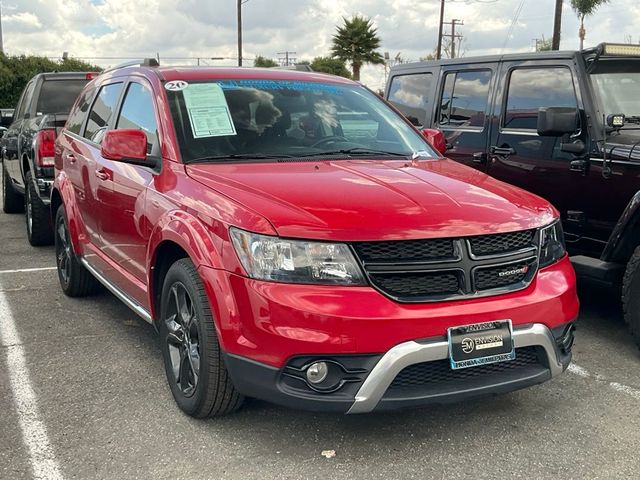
{"points": [[102, 175], [71, 158]]}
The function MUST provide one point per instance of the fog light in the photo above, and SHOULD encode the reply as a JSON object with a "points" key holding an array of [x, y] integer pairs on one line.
{"points": [[317, 372]]}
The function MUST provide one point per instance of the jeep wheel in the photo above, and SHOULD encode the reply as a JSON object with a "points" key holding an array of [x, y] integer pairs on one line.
{"points": [[193, 361], [39, 229], [631, 295], [11, 200], [75, 280]]}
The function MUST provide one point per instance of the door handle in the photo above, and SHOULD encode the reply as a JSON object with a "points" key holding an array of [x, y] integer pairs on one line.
{"points": [[71, 158], [480, 157], [502, 151], [102, 174]]}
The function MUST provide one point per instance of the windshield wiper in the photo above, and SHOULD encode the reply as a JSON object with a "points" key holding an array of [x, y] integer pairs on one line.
{"points": [[355, 151], [238, 156]]}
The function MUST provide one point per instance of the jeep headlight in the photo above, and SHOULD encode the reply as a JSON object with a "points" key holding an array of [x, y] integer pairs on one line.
{"points": [[552, 246], [294, 261]]}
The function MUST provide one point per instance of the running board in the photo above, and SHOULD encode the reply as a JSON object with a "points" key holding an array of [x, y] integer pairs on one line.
{"points": [[132, 304]]}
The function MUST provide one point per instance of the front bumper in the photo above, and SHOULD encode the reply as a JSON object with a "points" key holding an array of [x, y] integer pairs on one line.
{"points": [[412, 374]]}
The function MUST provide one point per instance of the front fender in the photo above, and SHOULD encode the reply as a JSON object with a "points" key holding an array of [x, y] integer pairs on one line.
{"points": [[62, 186], [626, 234]]}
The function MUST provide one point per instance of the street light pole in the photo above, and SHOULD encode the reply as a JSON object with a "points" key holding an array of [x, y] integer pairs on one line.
{"points": [[439, 49], [239, 33]]}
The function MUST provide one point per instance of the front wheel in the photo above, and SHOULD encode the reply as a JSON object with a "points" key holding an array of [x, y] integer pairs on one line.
{"points": [[193, 361], [631, 295]]}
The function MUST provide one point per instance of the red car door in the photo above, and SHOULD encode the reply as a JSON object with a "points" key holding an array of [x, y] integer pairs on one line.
{"points": [[121, 210]]}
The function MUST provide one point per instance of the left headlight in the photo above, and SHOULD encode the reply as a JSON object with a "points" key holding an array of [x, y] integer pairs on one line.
{"points": [[552, 247], [294, 261]]}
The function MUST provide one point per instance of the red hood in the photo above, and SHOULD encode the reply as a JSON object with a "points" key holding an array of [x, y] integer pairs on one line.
{"points": [[350, 200]]}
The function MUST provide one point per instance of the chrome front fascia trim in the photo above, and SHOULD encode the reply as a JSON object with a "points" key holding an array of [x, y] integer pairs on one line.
{"points": [[133, 305], [411, 352]]}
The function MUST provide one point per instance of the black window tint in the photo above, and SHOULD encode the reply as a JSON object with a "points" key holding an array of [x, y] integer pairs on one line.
{"points": [[25, 100], [409, 94], [138, 112], [57, 96], [102, 111], [464, 98], [532, 88], [78, 115]]}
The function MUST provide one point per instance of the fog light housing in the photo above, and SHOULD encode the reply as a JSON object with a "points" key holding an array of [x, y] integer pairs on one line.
{"points": [[317, 373]]}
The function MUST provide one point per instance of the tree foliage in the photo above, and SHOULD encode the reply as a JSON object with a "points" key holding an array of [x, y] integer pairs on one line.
{"points": [[585, 8], [16, 71], [264, 62], [356, 42], [334, 66]]}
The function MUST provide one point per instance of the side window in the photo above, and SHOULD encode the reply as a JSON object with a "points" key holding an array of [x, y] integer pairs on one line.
{"points": [[464, 98], [78, 115], [138, 112], [408, 93], [532, 88], [102, 111], [25, 100]]}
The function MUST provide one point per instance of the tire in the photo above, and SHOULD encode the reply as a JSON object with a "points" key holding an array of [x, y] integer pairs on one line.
{"points": [[37, 216], [12, 201], [195, 370], [75, 280], [631, 295]]}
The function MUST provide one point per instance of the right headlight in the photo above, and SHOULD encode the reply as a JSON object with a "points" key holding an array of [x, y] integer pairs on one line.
{"points": [[552, 246]]}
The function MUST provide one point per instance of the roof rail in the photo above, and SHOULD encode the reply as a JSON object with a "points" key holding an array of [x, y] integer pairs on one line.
{"points": [[145, 62]]}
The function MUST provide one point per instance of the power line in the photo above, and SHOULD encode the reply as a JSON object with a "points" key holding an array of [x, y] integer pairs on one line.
{"points": [[513, 24]]}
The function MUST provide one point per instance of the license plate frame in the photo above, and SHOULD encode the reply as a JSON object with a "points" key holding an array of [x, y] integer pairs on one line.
{"points": [[481, 344]]}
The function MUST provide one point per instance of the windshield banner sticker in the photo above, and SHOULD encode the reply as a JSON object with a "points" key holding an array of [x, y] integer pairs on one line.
{"points": [[280, 85], [208, 110]]}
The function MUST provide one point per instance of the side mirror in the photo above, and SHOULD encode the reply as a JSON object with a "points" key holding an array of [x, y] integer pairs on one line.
{"points": [[557, 121], [436, 139], [127, 145]]}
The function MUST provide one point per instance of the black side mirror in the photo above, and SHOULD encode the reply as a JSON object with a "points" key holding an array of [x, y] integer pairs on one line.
{"points": [[557, 121]]}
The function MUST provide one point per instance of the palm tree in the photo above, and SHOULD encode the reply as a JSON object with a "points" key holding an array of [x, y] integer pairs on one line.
{"points": [[584, 8], [356, 42]]}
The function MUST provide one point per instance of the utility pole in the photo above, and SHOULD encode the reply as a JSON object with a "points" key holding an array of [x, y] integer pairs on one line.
{"points": [[1, 45], [557, 25], [453, 34], [285, 61], [439, 49], [239, 33]]}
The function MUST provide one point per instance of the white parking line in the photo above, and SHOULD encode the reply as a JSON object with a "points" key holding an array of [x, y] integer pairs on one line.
{"points": [[24, 270], [43, 461], [619, 387]]}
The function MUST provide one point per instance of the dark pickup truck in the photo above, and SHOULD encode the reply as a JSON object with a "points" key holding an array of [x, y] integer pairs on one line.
{"points": [[27, 148], [564, 125]]}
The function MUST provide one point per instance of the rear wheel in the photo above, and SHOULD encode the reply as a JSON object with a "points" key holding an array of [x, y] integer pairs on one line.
{"points": [[631, 295], [75, 280], [12, 201], [193, 361], [39, 228]]}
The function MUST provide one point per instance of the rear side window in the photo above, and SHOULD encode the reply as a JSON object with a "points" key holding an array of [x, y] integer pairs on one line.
{"points": [[25, 100], [78, 115], [409, 94], [57, 96], [532, 88], [138, 112], [464, 98], [102, 111]]}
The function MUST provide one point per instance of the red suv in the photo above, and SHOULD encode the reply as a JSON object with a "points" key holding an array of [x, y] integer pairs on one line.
{"points": [[293, 238]]}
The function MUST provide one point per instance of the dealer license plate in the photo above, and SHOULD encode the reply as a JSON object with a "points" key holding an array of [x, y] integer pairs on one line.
{"points": [[480, 344]]}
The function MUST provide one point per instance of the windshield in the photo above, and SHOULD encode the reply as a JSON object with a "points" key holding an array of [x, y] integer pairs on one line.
{"points": [[252, 119], [618, 92]]}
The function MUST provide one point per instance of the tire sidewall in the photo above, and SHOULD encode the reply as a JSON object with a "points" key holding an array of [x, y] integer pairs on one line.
{"points": [[61, 216], [632, 294], [179, 274], [27, 200]]}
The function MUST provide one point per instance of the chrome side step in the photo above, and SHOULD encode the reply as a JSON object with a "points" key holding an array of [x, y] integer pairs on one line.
{"points": [[132, 304]]}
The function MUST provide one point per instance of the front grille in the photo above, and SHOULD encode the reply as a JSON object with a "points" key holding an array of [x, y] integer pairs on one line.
{"points": [[440, 371], [501, 242], [411, 285], [500, 276], [435, 269], [405, 250]]}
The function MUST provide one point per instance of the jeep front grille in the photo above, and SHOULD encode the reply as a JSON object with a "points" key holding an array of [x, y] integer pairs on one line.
{"points": [[450, 268]]}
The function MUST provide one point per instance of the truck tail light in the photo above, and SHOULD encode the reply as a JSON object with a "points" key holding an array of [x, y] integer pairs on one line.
{"points": [[91, 75], [45, 147]]}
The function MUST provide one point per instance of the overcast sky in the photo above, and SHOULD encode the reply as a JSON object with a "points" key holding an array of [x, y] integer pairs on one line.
{"points": [[207, 28]]}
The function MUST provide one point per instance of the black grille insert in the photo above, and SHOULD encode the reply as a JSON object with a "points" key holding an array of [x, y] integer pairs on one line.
{"points": [[405, 251], [501, 242], [440, 371], [418, 284], [502, 276]]}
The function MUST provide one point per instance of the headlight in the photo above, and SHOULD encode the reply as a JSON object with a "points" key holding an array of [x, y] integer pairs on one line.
{"points": [[552, 246], [294, 261]]}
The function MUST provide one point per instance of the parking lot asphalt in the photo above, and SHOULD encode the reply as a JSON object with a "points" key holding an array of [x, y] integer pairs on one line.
{"points": [[92, 402]]}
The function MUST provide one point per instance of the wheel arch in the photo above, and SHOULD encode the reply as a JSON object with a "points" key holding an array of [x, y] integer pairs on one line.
{"points": [[62, 194], [626, 234]]}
